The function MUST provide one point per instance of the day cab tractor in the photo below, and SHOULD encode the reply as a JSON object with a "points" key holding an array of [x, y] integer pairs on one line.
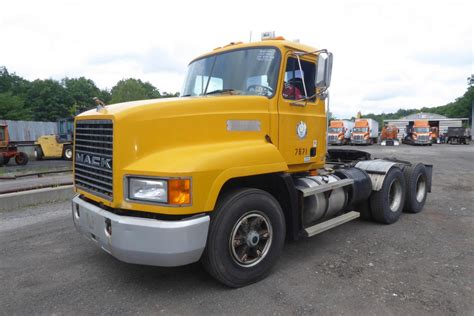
{"points": [[56, 146], [8, 149], [229, 170], [339, 132], [389, 136], [365, 132], [418, 133]]}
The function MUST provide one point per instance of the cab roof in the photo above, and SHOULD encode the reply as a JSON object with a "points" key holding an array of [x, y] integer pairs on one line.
{"points": [[281, 44]]}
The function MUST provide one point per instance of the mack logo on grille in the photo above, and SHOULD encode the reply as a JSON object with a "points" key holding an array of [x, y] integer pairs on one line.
{"points": [[94, 160]]}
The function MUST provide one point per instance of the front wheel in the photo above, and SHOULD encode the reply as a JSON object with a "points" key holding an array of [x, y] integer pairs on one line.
{"points": [[67, 153], [21, 159], [245, 238]]}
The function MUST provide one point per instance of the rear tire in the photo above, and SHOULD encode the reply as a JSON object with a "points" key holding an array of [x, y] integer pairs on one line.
{"points": [[6, 160], [39, 155], [67, 152], [246, 236], [21, 159], [364, 209], [387, 204], [416, 179]]}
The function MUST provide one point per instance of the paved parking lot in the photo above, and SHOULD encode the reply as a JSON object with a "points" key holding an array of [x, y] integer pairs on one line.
{"points": [[423, 264]]}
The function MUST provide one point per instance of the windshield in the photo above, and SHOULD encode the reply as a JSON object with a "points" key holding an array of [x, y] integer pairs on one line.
{"points": [[335, 129], [422, 129], [360, 129], [252, 71]]}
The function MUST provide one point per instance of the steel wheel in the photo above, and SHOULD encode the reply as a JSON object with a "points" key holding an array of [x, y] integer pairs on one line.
{"points": [[251, 239], [420, 188], [246, 236], [68, 153], [395, 194]]}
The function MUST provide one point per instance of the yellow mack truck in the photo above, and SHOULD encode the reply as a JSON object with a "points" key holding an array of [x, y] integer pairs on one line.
{"points": [[226, 172]]}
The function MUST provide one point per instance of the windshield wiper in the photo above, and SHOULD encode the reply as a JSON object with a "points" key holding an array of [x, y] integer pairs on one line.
{"points": [[219, 91]]}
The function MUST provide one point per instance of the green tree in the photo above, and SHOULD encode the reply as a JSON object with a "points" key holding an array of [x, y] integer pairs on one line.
{"points": [[12, 107], [82, 91], [10, 82], [48, 100], [133, 89], [169, 95]]}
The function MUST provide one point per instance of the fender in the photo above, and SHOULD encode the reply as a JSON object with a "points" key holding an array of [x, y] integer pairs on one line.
{"points": [[210, 166], [377, 169]]}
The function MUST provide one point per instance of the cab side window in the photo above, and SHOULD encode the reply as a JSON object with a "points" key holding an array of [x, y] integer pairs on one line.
{"points": [[2, 134], [294, 88]]}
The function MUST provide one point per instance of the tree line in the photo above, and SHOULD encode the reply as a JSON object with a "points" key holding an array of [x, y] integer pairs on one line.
{"points": [[49, 100], [461, 107]]}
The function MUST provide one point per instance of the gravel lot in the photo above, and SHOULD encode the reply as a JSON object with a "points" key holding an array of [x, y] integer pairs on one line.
{"points": [[423, 264]]}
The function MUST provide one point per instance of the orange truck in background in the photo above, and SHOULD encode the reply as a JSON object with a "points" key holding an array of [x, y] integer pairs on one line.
{"points": [[389, 136], [434, 135], [339, 132], [418, 134], [365, 132]]}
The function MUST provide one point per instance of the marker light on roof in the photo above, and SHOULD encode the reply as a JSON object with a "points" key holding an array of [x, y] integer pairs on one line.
{"points": [[268, 35]]}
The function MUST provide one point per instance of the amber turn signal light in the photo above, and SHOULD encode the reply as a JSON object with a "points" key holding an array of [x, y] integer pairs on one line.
{"points": [[179, 191]]}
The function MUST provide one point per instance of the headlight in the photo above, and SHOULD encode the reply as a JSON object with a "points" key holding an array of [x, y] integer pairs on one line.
{"points": [[148, 190], [166, 191]]}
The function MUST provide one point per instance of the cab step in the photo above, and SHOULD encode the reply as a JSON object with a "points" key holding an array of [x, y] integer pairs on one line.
{"points": [[333, 222]]}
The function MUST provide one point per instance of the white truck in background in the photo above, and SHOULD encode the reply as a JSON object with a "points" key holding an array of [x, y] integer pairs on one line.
{"points": [[339, 132], [365, 132]]}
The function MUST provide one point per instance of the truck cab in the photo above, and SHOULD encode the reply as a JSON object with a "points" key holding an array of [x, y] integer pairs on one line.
{"points": [[229, 170], [419, 133], [339, 132], [365, 132], [389, 136]]}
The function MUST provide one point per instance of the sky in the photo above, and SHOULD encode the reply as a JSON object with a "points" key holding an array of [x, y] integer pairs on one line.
{"points": [[387, 54]]}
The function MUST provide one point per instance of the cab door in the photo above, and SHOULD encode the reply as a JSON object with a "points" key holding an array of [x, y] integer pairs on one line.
{"points": [[302, 125]]}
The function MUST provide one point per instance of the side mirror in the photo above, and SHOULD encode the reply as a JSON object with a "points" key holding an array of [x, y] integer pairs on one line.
{"points": [[324, 70]]}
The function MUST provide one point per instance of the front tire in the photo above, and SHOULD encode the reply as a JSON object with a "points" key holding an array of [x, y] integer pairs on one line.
{"points": [[387, 204], [67, 152], [246, 236], [21, 159]]}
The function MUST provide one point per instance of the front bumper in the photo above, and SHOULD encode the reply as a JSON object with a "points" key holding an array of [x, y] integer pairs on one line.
{"points": [[360, 141], [142, 240], [336, 142], [390, 142]]}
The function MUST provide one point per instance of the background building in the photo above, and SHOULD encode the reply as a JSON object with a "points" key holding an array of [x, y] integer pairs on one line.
{"points": [[435, 120]]}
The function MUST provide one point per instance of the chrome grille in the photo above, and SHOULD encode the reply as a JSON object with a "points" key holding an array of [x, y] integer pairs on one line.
{"points": [[93, 157], [358, 138], [423, 138], [332, 138]]}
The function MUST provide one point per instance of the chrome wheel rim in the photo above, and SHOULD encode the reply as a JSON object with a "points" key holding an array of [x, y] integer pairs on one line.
{"points": [[395, 195], [250, 239], [420, 188]]}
